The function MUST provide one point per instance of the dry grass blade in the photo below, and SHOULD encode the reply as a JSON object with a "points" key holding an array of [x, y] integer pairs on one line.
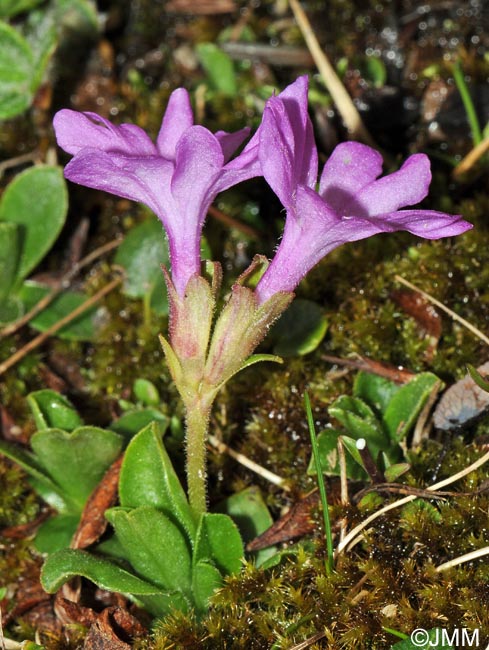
{"points": [[31, 157], [354, 535], [341, 98], [467, 557], [470, 159], [38, 340], [62, 285], [308, 642], [248, 463]]}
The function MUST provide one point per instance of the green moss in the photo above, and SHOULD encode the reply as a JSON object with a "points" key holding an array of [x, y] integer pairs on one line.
{"points": [[18, 506], [387, 580]]}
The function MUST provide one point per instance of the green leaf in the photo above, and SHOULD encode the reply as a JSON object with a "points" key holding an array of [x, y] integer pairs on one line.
{"points": [[218, 540], [146, 392], [478, 378], [9, 257], [76, 461], [37, 201], [11, 308], [56, 533], [129, 424], [360, 422], [407, 403], [68, 563], [376, 71], [219, 68], [374, 390], [350, 444], [9, 8], [80, 328], [141, 254], [154, 545], [41, 481], [165, 603], [41, 33], [250, 513], [78, 16], [393, 472], [328, 454], [148, 479], [16, 70], [206, 578], [258, 358], [299, 330], [53, 411]]}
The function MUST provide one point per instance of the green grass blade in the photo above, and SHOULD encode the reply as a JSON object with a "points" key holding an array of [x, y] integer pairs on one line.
{"points": [[321, 485]]}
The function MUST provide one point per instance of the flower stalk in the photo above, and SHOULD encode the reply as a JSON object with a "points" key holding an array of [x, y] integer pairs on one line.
{"points": [[197, 426]]}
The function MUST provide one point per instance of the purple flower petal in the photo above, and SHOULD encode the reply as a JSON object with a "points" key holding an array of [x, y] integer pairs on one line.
{"points": [[295, 101], [351, 205], [242, 168], [288, 154], [277, 151], [136, 178], [76, 131], [177, 119], [405, 187], [428, 224], [198, 163], [308, 236], [350, 168], [177, 179], [231, 141]]}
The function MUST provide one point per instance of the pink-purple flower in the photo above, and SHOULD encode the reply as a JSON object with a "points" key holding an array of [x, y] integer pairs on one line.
{"points": [[351, 202], [177, 177]]}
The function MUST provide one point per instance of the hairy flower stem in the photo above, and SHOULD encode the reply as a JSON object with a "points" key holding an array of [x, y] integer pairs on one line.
{"points": [[197, 420]]}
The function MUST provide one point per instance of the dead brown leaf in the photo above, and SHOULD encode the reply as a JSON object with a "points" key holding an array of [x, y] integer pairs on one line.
{"points": [[93, 523], [423, 312], [297, 522], [113, 629]]}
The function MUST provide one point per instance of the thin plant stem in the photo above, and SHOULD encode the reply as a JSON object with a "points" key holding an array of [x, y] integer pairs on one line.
{"points": [[321, 485], [475, 128], [197, 420]]}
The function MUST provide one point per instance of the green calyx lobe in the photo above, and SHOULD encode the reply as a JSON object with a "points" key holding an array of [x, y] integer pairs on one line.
{"points": [[204, 351]]}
